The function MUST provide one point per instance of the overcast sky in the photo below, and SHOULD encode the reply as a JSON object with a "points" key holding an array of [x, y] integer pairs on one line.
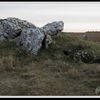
{"points": [[77, 16]]}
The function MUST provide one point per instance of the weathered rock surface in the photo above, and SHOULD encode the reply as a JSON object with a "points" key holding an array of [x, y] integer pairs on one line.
{"points": [[30, 40], [29, 37], [12, 27], [53, 28]]}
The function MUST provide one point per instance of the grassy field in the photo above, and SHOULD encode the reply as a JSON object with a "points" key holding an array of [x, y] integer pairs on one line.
{"points": [[91, 36], [50, 73]]}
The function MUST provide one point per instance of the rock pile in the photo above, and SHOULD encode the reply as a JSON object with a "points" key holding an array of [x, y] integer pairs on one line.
{"points": [[81, 53], [29, 37]]}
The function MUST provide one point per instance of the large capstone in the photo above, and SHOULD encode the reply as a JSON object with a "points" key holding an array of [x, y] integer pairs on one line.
{"points": [[12, 27]]}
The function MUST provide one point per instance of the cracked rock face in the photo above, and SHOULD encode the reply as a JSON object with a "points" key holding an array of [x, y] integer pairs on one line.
{"points": [[30, 40], [29, 37]]}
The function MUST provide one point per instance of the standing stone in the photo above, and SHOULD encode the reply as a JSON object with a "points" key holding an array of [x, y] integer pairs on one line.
{"points": [[30, 40], [50, 30]]}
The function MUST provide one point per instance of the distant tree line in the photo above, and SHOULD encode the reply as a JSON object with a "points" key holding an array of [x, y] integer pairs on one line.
{"points": [[93, 32]]}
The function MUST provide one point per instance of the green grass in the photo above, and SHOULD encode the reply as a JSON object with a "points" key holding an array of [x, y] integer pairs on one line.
{"points": [[49, 73]]}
